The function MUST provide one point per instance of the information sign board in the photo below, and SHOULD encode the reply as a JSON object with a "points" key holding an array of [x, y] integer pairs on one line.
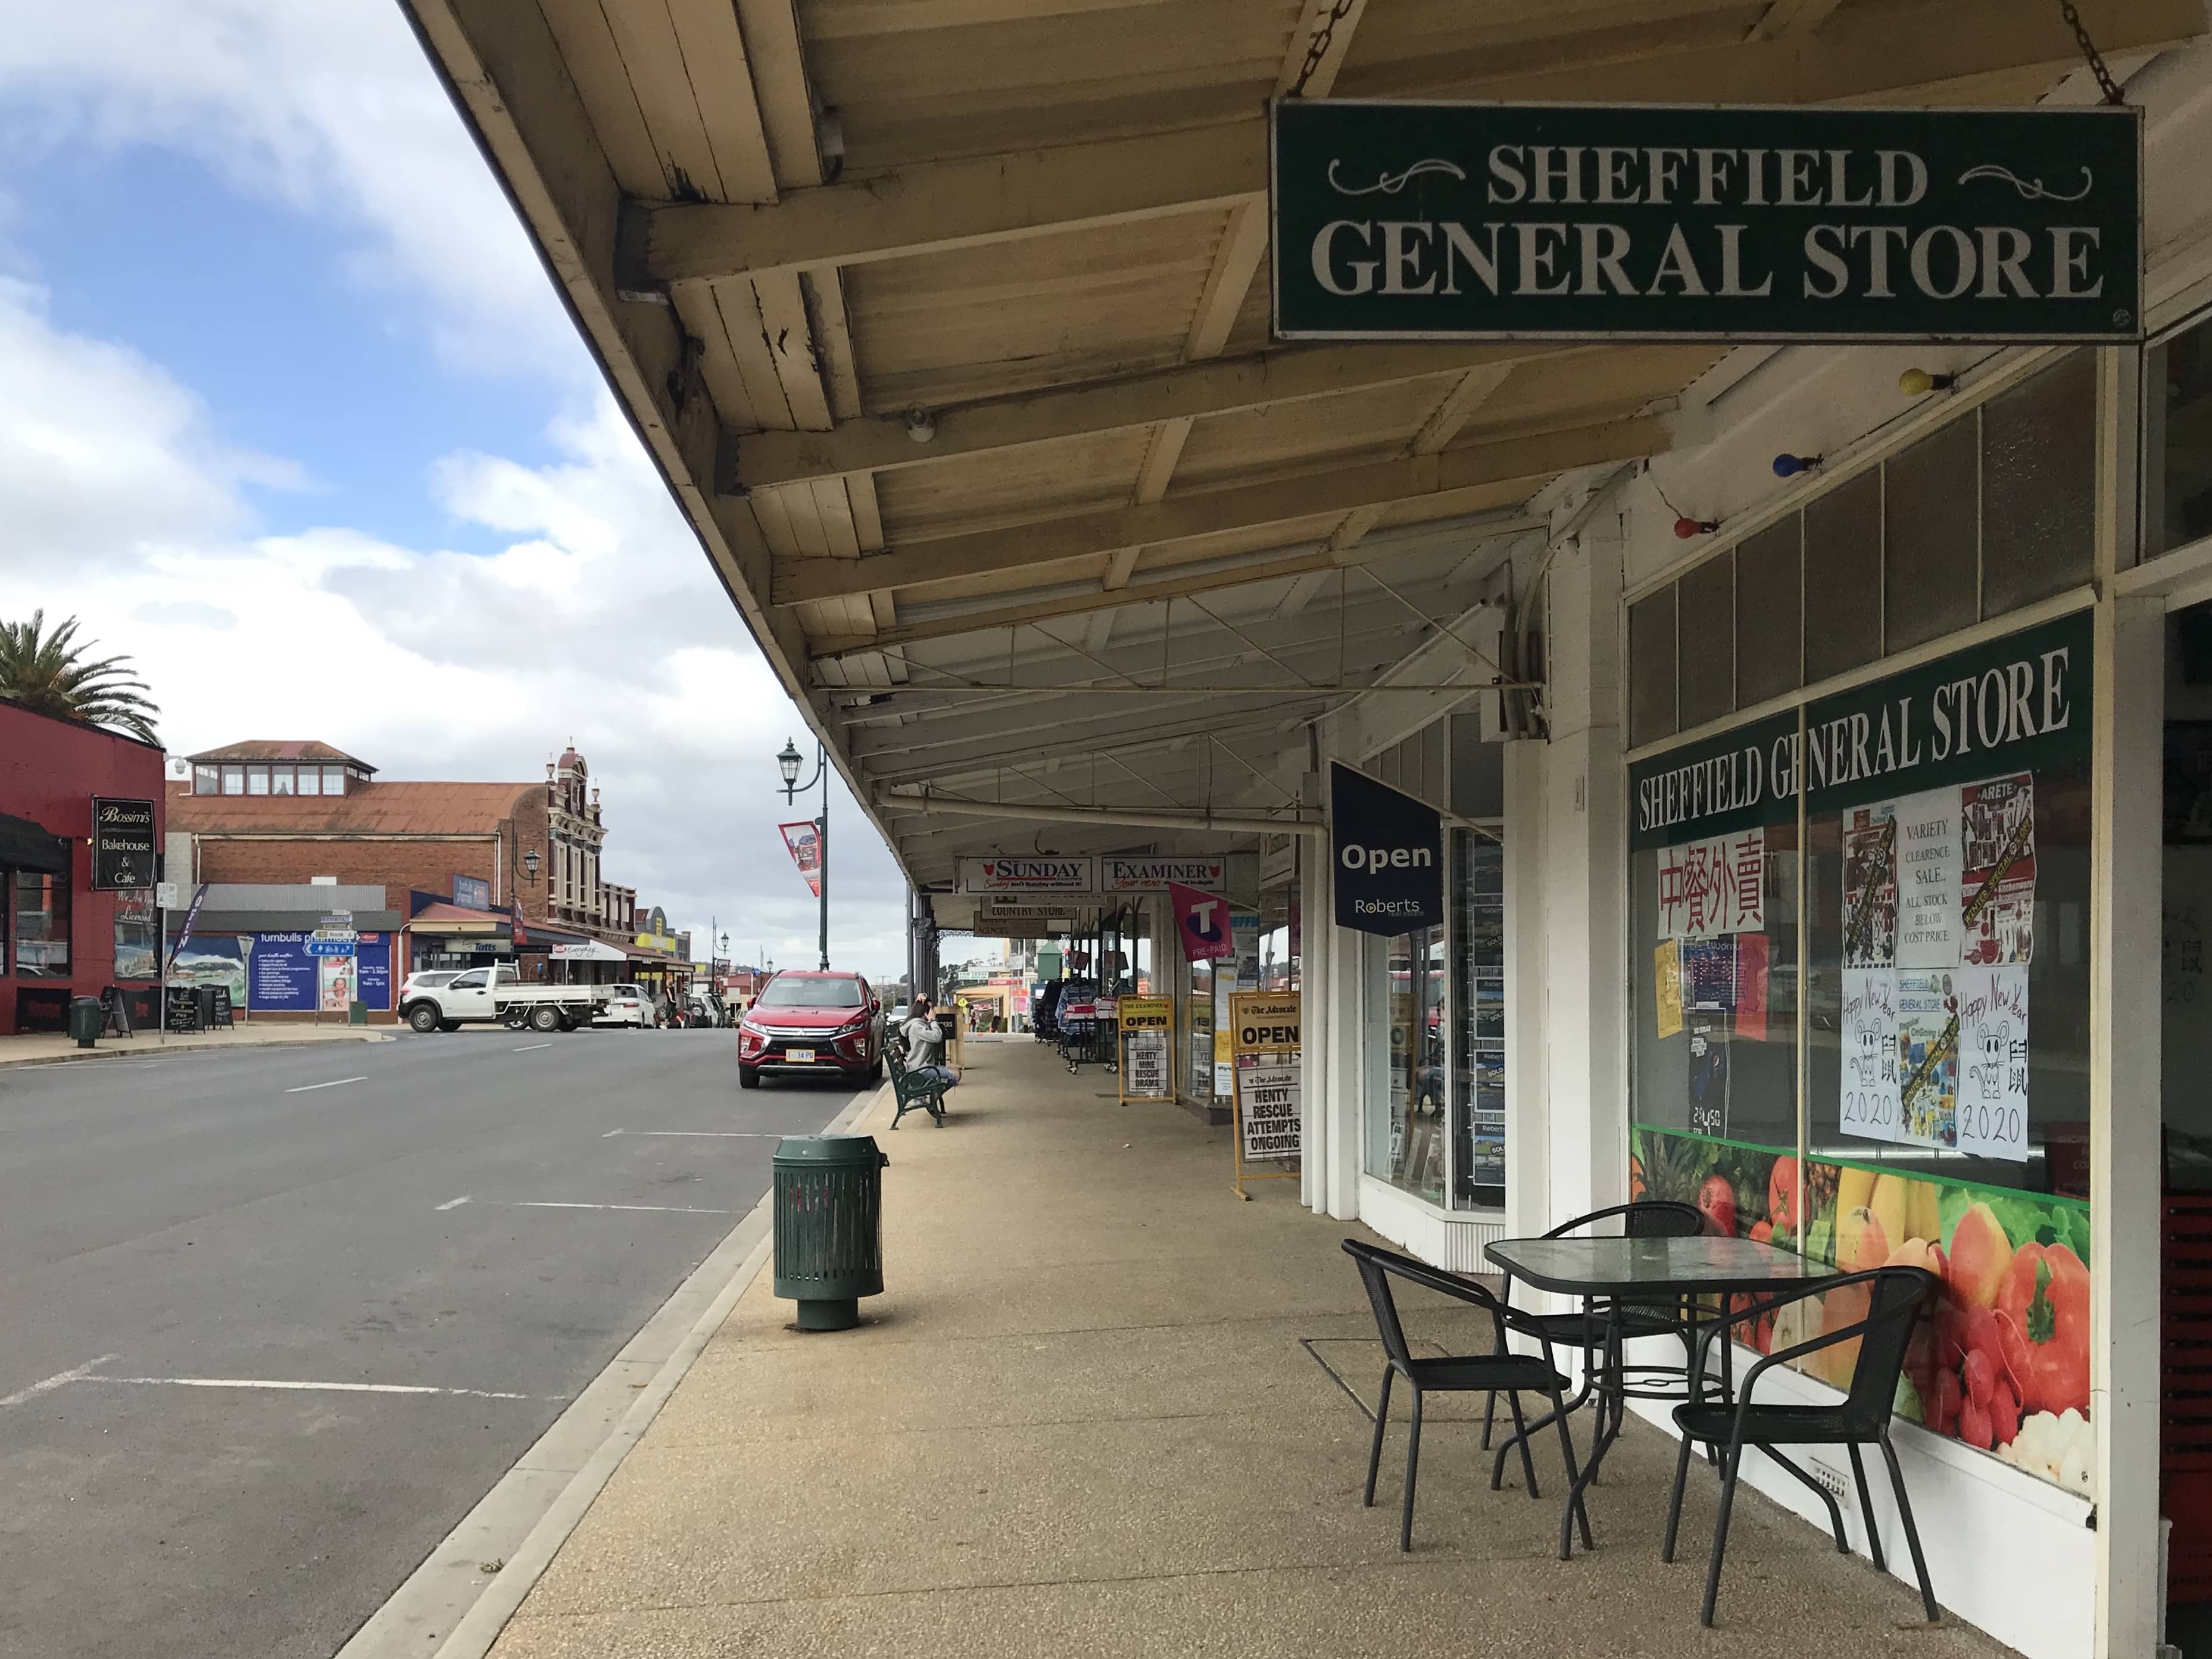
{"points": [[1263, 1038], [1146, 1028]]}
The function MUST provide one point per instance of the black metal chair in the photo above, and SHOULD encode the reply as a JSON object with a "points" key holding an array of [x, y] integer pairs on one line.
{"points": [[1895, 1298], [1586, 1328], [1500, 1372]]}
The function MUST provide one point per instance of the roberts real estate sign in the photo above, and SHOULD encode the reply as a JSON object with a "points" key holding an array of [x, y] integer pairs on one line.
{"points": [[1419, 221]]}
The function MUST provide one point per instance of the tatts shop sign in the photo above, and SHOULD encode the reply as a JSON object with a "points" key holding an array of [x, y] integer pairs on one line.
{"points": [[1413, 221], [2015, 703], [1388, 850]]}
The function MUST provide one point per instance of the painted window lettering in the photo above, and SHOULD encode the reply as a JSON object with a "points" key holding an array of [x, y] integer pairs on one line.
{"points": [[1356, 857]]}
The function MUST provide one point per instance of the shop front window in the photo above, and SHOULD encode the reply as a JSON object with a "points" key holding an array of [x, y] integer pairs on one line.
{"points": [[1198, 1030], [2177, 440], [1477, 1092], [138, 947], [1279, 969], [42, 926], [1405, 1143], [1937, 1114]]}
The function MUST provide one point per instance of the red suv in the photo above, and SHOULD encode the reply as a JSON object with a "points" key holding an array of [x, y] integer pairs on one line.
{"points": [[816, 1022]]}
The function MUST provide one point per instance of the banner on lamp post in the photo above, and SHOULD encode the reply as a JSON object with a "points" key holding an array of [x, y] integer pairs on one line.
{"points": [[1201, 923], [803, 838]]}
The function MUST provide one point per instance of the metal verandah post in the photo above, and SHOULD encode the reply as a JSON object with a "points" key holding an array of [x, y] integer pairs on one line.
{"points": [[822, 833]]}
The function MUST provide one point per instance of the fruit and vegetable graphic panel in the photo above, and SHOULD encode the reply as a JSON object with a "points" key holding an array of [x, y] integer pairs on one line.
{"points": [[2003, 1363]]}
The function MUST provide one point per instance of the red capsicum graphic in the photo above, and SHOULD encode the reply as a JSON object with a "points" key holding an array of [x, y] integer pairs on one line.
{"points": [[2042, 1312]]}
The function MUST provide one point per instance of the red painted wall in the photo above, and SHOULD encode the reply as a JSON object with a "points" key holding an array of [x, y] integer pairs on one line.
{"points": [[49, 770]]}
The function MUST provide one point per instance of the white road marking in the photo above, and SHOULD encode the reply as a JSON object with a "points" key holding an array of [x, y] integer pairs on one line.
{"points": [[455, 1203], [77, 1375], [306, 1388], [306, 1088], [527, 1047], [663, 1209]]}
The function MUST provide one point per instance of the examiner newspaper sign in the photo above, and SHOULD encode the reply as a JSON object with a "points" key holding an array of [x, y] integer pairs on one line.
{"points": [[1427, 221]]}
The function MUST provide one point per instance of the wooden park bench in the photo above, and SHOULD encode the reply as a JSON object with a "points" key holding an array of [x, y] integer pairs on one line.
{"points": [[915, 1094]]}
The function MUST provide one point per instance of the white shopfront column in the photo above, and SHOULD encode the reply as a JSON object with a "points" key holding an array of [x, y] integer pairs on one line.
{"points": [[1583, 824], [2126, 1107]]}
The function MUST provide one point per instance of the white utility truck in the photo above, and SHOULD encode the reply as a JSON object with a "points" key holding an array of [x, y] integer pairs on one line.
{"points": [[484, 994]]}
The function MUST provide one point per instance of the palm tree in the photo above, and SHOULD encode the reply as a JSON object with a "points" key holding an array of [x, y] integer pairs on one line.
{"points": [[47, 672]]}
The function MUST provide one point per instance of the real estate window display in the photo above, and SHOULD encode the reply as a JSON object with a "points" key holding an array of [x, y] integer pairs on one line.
{"points": [[1435, 1125]]}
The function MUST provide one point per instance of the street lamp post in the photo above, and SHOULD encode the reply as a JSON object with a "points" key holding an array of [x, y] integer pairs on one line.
{"points": [[789, 763]]}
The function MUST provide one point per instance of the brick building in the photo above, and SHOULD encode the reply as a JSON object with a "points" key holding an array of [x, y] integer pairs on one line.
{"points": [[301, 812], [60, 935]]}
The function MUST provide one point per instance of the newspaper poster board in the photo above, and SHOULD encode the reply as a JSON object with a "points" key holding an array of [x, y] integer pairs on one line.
{"points": [[1145, 1031], [1264, 1044]]}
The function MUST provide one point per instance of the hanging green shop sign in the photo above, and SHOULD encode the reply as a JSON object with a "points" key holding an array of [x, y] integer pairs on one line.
{"points": [[1419, 221], [2013, 704]]}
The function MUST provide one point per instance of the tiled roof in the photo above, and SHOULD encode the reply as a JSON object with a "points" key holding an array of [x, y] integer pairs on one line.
{"points": [[283, 748], [373, 809], [442, 911]]}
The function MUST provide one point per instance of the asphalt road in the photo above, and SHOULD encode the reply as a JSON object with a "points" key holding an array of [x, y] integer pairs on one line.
{"points": [[487, 1216]]}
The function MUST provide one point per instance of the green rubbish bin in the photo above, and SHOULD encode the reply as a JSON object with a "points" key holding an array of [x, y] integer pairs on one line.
{"points": [[86, 1016], [828, 1227]]}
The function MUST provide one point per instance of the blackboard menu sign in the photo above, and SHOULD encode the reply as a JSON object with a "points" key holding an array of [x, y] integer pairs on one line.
{"points": [[180, 1008], [219, 1017]]}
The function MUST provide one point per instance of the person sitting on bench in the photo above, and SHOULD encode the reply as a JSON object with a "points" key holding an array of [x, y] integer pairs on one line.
{"points": [[925, 1045]]}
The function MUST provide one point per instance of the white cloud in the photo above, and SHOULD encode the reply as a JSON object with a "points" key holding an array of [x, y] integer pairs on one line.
{"points": [[327, 106], [65, 443], [600, 622]]}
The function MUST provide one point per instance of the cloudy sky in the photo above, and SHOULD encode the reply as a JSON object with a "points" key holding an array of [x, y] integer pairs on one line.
{"points": [[289, 413]]}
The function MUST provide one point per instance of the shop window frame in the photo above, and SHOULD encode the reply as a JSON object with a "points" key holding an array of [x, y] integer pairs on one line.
{"points": [[2147, 422], [1435, 793], [1964, 404]]}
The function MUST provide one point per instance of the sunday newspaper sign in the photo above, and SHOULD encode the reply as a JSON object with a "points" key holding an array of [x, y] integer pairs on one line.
{"points": [[1465, 221]]}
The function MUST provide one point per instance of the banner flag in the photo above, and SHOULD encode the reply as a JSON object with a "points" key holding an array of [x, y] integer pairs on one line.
{"points": [[805, 840], [1201, 923]]}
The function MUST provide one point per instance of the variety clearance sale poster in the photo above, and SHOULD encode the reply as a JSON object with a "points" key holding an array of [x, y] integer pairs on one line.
{"points": [[1939, 908]]}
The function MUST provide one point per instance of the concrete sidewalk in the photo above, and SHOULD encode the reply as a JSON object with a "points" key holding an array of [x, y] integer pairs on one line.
{"points": [[45, 1047], [1082, 1421]]}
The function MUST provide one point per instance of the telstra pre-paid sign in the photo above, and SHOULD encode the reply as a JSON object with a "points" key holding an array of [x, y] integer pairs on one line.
{"points": [[1428, 220]]}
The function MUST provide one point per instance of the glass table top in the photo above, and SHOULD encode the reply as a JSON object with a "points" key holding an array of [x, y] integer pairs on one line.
{"points": [[1601, 1266]]}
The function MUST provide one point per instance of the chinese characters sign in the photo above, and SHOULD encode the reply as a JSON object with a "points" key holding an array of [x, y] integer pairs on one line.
{"points": [[1707, 888]]}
